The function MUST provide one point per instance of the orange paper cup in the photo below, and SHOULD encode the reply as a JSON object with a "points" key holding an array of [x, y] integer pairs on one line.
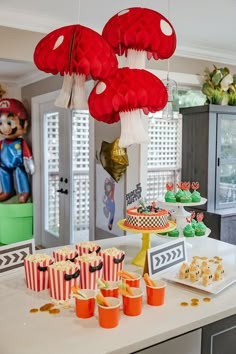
{"points": [[109, 316], [84, 307], [132, 305], [156, 295], [112, 291], [134, 283]]}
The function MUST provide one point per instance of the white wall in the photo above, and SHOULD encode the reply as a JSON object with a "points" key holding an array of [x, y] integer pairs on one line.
{"points": [[12, 90]]}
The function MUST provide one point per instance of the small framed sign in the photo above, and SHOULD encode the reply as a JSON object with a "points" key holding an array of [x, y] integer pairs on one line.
{"points": [[161, 258], [12, 256]]}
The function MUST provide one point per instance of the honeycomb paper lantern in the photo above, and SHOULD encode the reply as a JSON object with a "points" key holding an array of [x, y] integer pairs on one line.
{"points": [[124, 96], [140, 33], [77, 53]]}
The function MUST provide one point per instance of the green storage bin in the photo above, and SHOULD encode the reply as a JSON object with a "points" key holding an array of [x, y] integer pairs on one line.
{"points": [[16, 222]]}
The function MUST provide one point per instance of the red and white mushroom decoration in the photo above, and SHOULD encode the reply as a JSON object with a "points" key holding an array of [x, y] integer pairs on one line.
{"points": [[78, 53], [124, 96], [140, 33]]}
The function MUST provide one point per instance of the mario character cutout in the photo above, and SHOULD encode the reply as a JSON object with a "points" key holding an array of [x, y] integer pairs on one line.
{"points": [[15, 157], [108, 200]]}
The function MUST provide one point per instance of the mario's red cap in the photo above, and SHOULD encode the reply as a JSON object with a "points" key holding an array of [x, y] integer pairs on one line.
{"points": [[11, 105]]}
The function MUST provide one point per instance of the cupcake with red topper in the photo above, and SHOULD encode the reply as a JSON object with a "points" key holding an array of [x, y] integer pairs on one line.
{"points": [[196, 196], [188, 230], [200, 229], [169, 195], [175, 232], [193, 220], [179, 192], [186, 196]]}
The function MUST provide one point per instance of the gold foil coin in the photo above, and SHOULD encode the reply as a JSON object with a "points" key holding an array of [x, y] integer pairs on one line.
{"points": [[34, 310]]}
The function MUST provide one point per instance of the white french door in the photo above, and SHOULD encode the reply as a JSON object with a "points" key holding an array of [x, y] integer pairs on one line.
{"points": [[61, 184]]}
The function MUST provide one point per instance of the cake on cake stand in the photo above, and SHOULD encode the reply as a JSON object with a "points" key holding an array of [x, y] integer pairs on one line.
{"points": [[139, 259], [180, 214]]}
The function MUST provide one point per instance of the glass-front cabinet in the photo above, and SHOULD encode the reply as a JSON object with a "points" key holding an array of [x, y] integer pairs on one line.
{"points": [[226, 162], [209, 153]]}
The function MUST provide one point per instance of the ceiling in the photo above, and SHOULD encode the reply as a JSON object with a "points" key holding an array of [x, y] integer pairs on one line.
{"points": [[205, 29]]}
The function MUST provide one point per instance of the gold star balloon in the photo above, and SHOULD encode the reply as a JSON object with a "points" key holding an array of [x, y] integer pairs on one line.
{"points": [[114, 159]]}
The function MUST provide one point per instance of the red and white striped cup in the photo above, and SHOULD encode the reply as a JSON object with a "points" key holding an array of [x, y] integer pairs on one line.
{"points": [[90, 271], [112, 264], [36, 273], [65, 254], [88, 247], [61, 280]]}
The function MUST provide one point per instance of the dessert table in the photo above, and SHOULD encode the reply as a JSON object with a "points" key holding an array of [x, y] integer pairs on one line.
{"points": [[22, 332]]}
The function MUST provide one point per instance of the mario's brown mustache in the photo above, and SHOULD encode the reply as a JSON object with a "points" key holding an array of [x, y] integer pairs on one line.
{"points": [[14, 130]]}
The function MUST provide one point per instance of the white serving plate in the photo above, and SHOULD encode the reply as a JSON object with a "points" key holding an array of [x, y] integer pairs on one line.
{"points": [[214, 288]]}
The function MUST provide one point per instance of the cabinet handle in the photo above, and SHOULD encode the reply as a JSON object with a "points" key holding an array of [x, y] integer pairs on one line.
{"points": [[218, 161]]}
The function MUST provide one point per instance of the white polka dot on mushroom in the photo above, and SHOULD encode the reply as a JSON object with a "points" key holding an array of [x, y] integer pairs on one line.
{"points": [[58, 42], [166, 28], [101, 87]]}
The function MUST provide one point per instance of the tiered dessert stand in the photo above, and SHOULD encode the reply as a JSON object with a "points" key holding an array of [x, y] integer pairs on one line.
{"points": [[139, 259], [180, 214]]}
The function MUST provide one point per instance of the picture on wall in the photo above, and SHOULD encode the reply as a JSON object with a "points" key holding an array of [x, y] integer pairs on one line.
{"points": [[110, 201]]}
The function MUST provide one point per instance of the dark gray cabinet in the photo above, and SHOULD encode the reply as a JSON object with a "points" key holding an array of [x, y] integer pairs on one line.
{"points": [[220, 337], [209, 157]]}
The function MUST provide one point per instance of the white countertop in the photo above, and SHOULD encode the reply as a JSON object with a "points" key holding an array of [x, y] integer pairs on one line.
{"points": [[24, 333]]}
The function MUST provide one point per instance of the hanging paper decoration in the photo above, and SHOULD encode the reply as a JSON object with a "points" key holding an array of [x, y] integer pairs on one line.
{"points": [[138, 33], [114, 159], [171, 88], [123, 97], [77, 53]]}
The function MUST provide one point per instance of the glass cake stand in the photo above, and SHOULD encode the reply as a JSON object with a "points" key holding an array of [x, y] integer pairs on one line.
{"points": [[180, 213], [139, 259]]}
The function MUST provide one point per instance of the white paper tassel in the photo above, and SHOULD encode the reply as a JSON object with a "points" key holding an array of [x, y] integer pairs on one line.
{"points": [[78, 99], [132, 130], [63, 100], [136, 58]]}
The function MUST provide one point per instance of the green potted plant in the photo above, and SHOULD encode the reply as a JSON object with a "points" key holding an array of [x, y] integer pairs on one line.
{"points": [[219, 86], [232, 92]]}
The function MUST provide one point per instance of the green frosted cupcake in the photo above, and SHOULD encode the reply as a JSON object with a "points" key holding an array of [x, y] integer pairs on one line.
{"points": [[186, 197], [200, 229], [178, 195], [194, 223], [196, 197], [170, 197], [188, 231], [174, 233]]}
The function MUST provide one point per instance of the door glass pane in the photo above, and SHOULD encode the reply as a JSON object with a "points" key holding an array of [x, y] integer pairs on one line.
{"points": [[80, 174], [228, 138], [51, 167], [227, 187]]}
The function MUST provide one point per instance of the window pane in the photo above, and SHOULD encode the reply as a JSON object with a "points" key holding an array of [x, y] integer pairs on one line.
{"points": [[188, 98], [165, 141], [164, 149], [228, 138], [80, 170], [51, 165], [227, 188]]}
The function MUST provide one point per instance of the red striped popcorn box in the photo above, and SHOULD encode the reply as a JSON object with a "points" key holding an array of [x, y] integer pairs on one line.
{"points": [[90, 270], [113, 262], [62, 276], [36, 271], [65, 254], [87, 247]]}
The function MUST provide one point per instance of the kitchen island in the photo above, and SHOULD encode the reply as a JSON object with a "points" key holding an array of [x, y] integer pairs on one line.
{"points": [[22, 332]]}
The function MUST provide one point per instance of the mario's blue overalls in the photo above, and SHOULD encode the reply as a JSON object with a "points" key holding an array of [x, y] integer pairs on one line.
{"points": [[12, 152]]}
